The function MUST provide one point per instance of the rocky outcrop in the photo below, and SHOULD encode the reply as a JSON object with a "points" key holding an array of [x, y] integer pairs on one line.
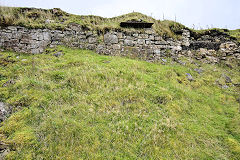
{"points": [[5, 111], [147, 45]]}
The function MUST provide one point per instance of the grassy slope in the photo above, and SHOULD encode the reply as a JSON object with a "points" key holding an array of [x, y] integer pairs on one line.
{"points": [[84, 105]]}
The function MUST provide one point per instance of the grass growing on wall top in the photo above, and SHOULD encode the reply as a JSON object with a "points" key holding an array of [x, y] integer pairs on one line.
{"points": [[31, 17], [58, 19], [87, 106], [232, 34], [236, 34]]}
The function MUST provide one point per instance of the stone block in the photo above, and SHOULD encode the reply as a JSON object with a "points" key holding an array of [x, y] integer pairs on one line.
{"points": [[162, 46], [34, 36], [92, 40], [120, 35], [89, 34], [161, 43], [237, 55], [57, 37], [91, 46], [35, 51], [140, 41], [46, 36], [100, 48], [129, 38], [144, 36], [157, 51], [128, 42], [149, 31], [12, 28], [135, 35], [150, 51], [151, 37], [25, 41], [109, 46], [107, 52], [40, 37], [177, 48], [81, 36], [14, 42], [148, 42], [7, 35], [158, 38], [110, 38], [116, 46], [83, 40]]}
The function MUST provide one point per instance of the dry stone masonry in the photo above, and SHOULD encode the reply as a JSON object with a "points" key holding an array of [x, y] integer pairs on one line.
{"points": [[146, 45]]}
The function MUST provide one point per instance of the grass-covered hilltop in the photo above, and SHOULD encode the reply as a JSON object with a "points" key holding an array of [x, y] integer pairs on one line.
{"points": [[58, 19], [70, 103]]}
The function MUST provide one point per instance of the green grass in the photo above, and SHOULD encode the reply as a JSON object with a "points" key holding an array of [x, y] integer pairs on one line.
{"points": [[232, 34], [88, 106], [235, 33]]}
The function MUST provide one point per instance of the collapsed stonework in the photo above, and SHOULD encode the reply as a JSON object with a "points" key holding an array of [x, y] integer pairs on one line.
{"points": [[146, 45]]}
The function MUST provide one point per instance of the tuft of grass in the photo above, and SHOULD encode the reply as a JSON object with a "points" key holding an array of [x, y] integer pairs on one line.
{"points": [[77, 106]]}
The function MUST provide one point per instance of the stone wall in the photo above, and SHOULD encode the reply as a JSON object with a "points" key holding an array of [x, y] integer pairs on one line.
{"points": [[146, 45]]}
